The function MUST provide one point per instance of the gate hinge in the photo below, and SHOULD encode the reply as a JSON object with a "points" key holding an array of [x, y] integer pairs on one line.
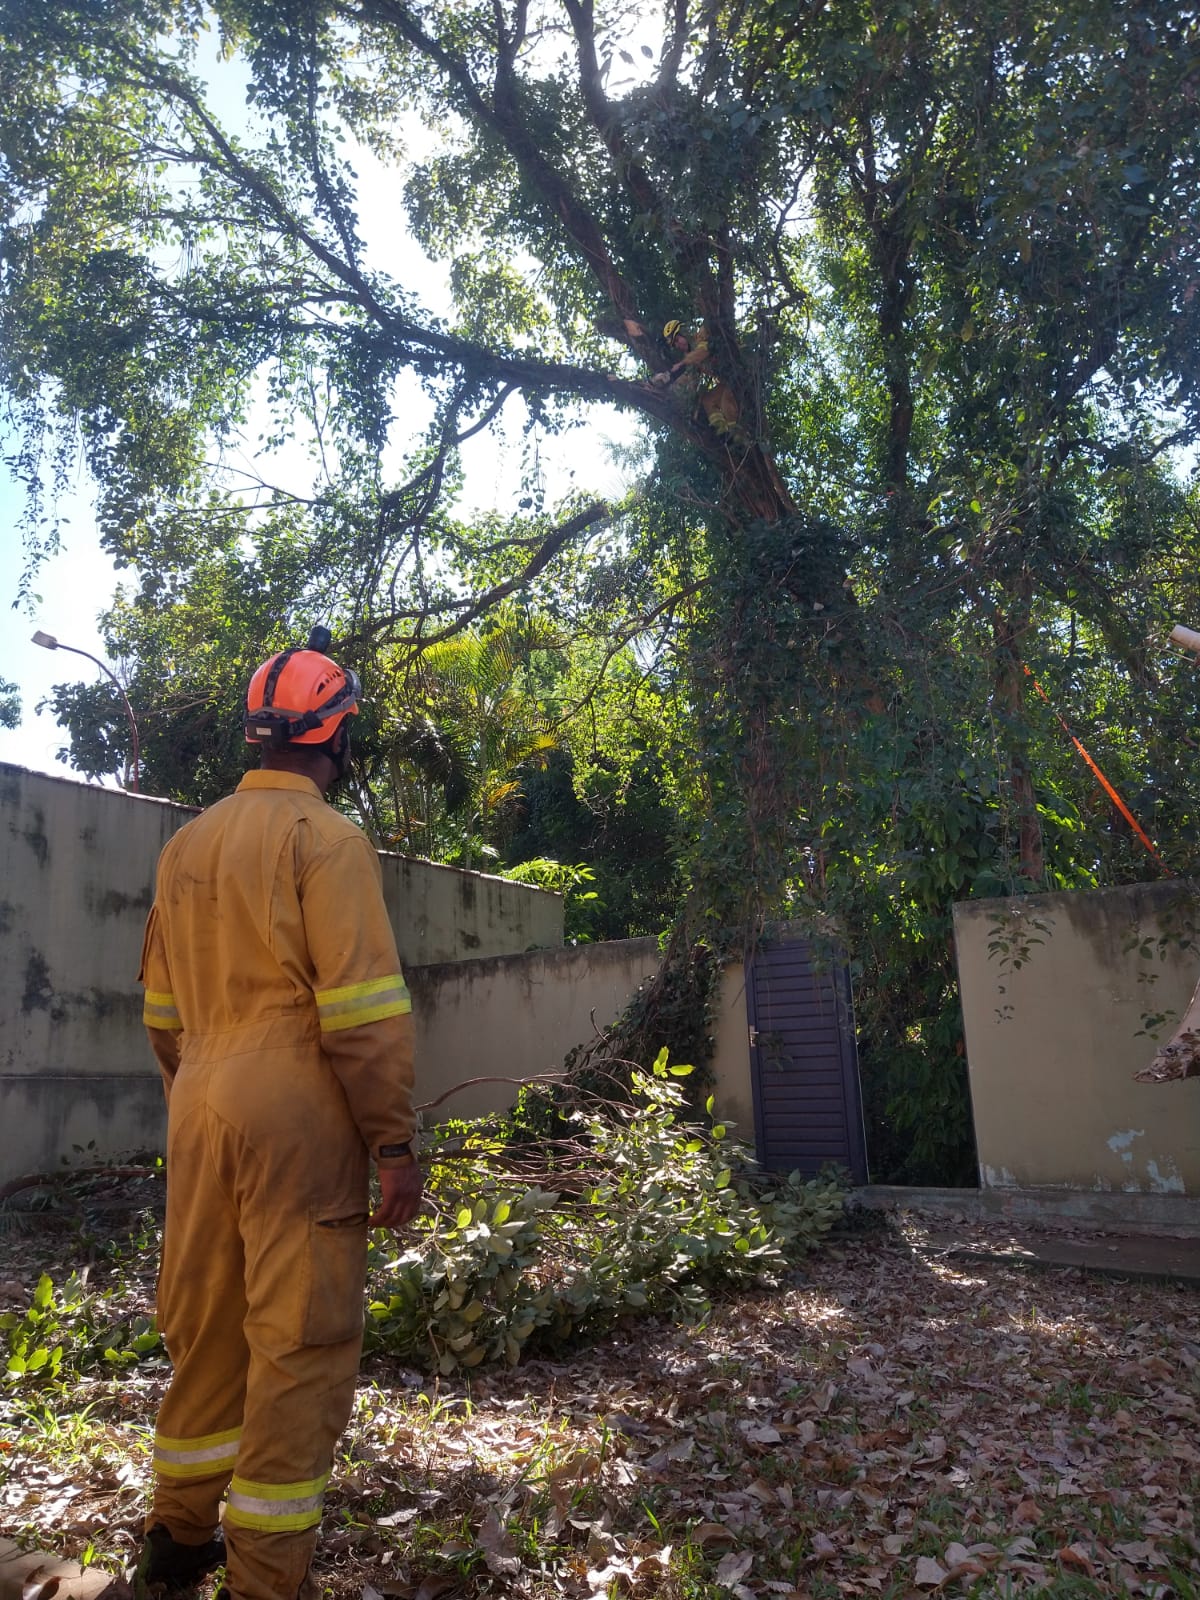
{"points": [[753, 1038]]}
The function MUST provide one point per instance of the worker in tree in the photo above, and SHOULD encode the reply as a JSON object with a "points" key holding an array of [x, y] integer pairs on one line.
{"points": [[716, 403], [278, 1014]]}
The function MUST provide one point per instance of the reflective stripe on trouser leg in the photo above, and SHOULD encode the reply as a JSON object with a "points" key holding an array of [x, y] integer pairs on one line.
{"points": [[275, 1507], [204, 1457], [303, 1326]]}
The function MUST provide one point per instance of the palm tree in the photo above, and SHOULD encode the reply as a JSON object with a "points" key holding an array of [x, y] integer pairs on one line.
{"points": [[466, 720]]}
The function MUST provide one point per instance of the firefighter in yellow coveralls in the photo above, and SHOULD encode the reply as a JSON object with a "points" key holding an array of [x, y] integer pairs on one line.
{"points": [[278, 1014]]}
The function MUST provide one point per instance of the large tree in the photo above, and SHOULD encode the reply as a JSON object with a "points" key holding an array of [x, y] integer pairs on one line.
{"points": [[934, 271]]}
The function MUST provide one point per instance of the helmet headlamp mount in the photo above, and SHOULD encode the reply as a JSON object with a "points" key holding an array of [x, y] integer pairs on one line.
{"points": [[296, 676]]}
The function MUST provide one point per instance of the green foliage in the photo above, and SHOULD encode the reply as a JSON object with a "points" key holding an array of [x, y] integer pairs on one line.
{"points": [[10, 704], [655, 1214], [464, 720], [463, 1295], [610, 814], [572, 883], [60, 1336], [674, 1216]]}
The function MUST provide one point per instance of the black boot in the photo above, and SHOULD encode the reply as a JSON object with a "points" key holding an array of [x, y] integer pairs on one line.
{"points": [[173, 1565]]}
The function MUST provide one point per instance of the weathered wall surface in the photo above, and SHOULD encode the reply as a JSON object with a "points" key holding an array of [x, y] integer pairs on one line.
{"points": [[515, 1017], [1052, 1044], [443, 914], [76, 881], [733, 1089]]}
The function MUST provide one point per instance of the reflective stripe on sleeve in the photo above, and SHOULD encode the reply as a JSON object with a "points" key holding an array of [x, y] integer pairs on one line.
{"points": [[196, 1458], [275, 1507], [358, 1003], [160, 1011]]}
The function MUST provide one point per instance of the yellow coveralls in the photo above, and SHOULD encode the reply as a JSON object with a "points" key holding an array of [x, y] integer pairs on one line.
{"points": [[278, 1013]]}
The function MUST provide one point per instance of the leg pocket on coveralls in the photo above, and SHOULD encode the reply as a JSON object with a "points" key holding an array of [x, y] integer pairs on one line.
{"points": [[337, 1272]]}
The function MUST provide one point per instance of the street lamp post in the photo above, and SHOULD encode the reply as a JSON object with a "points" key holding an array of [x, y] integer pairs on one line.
{"points": [[49, 642]]}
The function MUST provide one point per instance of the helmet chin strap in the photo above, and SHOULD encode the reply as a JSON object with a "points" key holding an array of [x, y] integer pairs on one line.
{"points": [[339, 750]]}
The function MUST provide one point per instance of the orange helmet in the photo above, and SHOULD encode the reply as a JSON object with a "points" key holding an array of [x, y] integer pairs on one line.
{"points": [[299, 697]]}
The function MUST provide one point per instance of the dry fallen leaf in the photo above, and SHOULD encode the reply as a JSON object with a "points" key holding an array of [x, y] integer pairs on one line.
{"points": [[39, 1575], [1072, 1555], [496, 1545], [732, 1568], [929, 1574], [398, 1519], [1142, 1553], [712, 1533], [433, 1588]]}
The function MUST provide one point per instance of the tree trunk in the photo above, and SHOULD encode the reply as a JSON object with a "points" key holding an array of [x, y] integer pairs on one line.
{"points": [[1010, 697]]}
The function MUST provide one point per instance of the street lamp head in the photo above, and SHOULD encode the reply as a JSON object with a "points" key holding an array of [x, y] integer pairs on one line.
{"points": [[49, 642]]}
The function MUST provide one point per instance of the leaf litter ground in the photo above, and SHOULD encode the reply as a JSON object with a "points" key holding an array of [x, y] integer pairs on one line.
{"points": [[893, 1423]]}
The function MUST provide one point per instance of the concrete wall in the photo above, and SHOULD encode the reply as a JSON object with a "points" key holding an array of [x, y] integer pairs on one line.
{"points": [[1052, 1044], [444, 914], [76, 880], [518, 1016], [515, 1017], [733, 1090]]}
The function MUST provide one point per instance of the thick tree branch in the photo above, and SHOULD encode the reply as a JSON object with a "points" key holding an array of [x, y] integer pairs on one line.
{"points": [[503, 117], [672, 57], [546, 552], [605, 117]]}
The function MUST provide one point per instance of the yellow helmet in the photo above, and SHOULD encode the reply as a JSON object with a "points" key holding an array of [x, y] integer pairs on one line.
{"points": [[672, 328]]}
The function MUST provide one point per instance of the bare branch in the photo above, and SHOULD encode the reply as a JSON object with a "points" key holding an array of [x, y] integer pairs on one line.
{"points": [[605, 117], [470, 1083], [476, 607]]}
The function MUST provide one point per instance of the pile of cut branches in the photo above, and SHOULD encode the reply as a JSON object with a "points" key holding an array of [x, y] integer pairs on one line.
{"points": [[631, 1210]]}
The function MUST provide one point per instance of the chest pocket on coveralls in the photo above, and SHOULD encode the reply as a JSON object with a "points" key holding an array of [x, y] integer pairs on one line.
{"points": [[337, 1273]]}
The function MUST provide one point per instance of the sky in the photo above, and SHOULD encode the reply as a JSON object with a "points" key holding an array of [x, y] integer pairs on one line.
{"points": [[77, 585]]}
